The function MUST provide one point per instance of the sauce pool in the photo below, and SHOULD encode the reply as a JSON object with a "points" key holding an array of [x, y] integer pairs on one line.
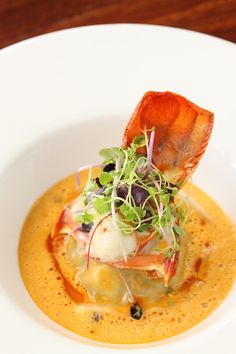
{"points": [[208, 275]]}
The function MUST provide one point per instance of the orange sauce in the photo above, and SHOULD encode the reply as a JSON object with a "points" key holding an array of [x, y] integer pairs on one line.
{"points": [[207, 276]]}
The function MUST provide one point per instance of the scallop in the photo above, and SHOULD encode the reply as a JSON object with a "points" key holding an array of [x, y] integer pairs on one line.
{"points": [[108, 243]]}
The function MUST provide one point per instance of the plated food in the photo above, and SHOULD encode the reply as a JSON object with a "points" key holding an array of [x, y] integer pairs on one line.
{"points": [[137, 253]]}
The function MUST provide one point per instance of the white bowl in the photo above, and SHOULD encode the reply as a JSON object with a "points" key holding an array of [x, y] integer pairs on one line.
{"points": [[65, 95]]}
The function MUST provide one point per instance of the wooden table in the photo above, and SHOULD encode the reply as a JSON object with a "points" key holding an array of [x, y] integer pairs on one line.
{"points": [[21, 19]]}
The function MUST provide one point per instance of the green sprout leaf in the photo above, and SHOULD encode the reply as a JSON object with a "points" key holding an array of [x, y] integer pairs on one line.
{"points": [[91, 186], [144, 227], [105, 178], [112, 153], [167, 213], [181, 215], [128, 212], [139, 141], [179, 230], [102, 205], [155, 220], [175, 190], [163, 221], [139, 211], [165, 198], [169, 253], [152, 191], [85, 218], [177, 247]]}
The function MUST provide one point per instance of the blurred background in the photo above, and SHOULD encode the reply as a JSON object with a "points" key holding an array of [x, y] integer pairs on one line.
{"points": [[21, 19]]}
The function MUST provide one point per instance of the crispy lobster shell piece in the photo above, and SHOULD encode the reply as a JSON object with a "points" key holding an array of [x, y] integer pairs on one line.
{"points": [[182, 132]]}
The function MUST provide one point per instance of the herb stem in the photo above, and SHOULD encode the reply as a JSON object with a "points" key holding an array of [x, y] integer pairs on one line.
{"points": [[150, 150]]}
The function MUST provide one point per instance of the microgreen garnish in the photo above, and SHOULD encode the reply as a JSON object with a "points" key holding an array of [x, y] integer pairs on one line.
{"points": [[85, 218], [137, 194], [105, 178], [102, 205], [179, 230]]}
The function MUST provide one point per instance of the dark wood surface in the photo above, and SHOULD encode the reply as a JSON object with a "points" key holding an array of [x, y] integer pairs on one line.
{"points": [[21, 19]]}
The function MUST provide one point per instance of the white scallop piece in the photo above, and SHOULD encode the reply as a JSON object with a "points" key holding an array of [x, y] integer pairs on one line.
{"points": [[106, 245]]}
